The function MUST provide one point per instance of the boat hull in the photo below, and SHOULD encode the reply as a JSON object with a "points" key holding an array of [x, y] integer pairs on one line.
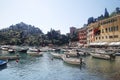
{"points": [[9, 57], [73, 61], [34, 53], [3, 63], [57, 55], [100, 56]]}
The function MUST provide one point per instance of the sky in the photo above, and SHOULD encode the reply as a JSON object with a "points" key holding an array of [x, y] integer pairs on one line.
{"points": [[55, 14]]}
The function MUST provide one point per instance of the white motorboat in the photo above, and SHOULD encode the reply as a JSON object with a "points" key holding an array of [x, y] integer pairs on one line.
{"points": [[70, 60], [5, 48], [103, 55], [34, 52], [56, 55], [71, 53], [11, 50]]}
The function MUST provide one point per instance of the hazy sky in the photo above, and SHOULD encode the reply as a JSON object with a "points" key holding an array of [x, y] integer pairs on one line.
{"points": [[56, 14]]}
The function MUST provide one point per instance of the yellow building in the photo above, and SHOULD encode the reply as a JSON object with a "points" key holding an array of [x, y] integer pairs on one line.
{"points": [[106, 30]]}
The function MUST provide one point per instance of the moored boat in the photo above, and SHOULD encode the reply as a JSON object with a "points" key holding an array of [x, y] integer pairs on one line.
{"points": [[3, 62], [104, 55], [101, 56], [11, 50], [10, 57], [5, 48], [56, 55], [22, 50], [34, 52], [117, 53], [71, 53], [74, 61]]}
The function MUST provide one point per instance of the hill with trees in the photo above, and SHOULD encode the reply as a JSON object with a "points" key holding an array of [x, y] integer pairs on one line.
{"points": [[24, 34], [20, 34]]}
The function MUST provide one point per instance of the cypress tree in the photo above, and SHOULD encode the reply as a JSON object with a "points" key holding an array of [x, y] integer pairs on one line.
{"points": [[106, 15]]}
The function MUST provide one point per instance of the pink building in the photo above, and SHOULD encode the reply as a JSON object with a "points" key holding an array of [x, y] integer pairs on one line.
{"points": [[82, 35]]}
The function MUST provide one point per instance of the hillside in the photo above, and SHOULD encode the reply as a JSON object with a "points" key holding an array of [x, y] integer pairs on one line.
{"points": [[20, 34]]}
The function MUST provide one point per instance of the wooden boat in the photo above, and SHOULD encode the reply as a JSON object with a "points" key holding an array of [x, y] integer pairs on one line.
{"points": [[5, 48], [3, 62], [76, 53], [22, 50], [43, 50], [11, 50], [57, 50], [56, 55], [117, 53], [74, 61], [9, 57], [71, 53], [83, 53], [103, 55], [34, 52]]}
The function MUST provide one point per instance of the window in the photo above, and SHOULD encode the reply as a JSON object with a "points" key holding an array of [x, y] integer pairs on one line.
{"points": [[106, 29], [109, 21], [109, 29], [116, 28], [110, 36], [102, 30], [115, 36], [99, 37], [112, 28], [106, 37], [102, 37], [96, 38]]}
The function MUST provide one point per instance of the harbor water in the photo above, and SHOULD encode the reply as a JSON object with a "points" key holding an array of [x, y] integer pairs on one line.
{"points": [[48, 68]]}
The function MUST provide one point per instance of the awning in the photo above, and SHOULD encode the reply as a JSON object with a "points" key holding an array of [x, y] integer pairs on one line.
{"points": [[98, 43], [117, 43], [92, 44], [103, 43], [114, 44]]}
